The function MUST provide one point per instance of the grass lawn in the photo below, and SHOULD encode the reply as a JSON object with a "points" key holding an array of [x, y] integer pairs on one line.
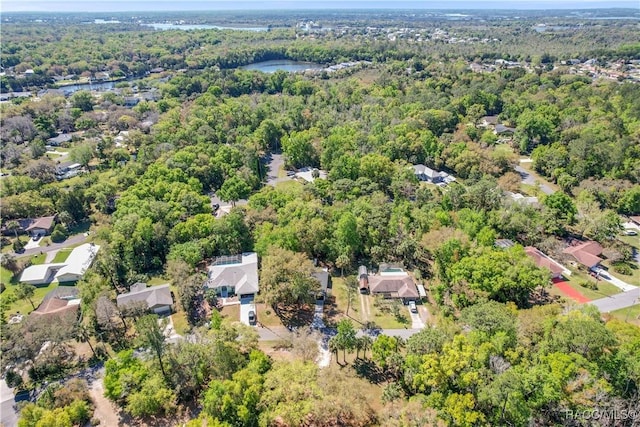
{"points": [[6, 277], [629, 314], [383, 316], [265, 316], [62, 255], [631, 240], [605, 288], [232, 312], [38, 259], [157, 280], [338, 309], [180, 323], [633, 279], [291, 186], [24, 306]]}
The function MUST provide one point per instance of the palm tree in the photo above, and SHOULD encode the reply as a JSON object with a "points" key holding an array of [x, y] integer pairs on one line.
{"points": [[334, 347], [366, 343], [13, 226], [84, 335]]}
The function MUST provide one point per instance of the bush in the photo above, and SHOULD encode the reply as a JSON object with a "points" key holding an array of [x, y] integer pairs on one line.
{"points": [[18, 246], [589, 285], [59, 234], [622, 268]]}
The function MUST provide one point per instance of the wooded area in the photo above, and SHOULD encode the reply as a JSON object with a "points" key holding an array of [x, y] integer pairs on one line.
{"points": [[176, 162]]}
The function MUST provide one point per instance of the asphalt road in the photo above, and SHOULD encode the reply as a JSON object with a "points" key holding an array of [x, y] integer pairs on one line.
{"points": [[73, 240], [618, 301], [527, 178]]}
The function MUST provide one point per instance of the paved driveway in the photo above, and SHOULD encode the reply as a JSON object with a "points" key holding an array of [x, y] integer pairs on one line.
{"points": [[527, 178], [604, 274], [246, 305], [274, 163], [8, 414], [416, 321]]}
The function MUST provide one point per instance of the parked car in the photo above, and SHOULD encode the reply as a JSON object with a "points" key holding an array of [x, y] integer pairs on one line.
{"points": [[412, 307], [629, 232], [252, 317], [36, 237]]}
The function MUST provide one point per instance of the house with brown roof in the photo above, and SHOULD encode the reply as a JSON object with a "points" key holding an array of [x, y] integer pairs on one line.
{"points": [[41, 226], [543, 261], [61, 301], [32, 226], [586, 253], [392, 283]]}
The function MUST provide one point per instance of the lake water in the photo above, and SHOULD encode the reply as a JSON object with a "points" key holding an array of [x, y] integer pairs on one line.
{"points": [[187, 27], [283, 64]]}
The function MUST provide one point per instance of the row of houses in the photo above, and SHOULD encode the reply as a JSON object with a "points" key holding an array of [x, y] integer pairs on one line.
{"points": [[585, 254], [237, 276]]}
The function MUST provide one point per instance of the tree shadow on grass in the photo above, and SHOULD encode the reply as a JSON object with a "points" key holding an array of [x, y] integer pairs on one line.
{"points": [[367, 369], [295, 316]]}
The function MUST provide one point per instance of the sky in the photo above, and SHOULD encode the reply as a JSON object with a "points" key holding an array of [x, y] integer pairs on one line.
{"points": [[177, 5]]}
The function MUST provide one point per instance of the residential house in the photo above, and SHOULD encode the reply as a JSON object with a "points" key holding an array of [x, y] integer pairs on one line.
{"points": [[425, 173], [488, 122], [310, 174], [33, 226], [234, 275], [520, 198], [157, 299], [61, 301], [72, 269], [131, 101], [77, 263], [503, 243], [586, 253], [68, 170], [503, 130], [41, 226], [393, 283], [635, 219], [40, 274], [543, 261], [59, 140]]}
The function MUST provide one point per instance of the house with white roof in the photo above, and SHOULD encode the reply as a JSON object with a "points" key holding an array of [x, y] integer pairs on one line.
{"points": [[40, 274], [76, 264], [234, 275]]}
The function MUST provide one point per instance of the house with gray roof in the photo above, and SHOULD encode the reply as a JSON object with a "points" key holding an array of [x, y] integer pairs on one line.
{"points": [[158, 299], [234, 275]]}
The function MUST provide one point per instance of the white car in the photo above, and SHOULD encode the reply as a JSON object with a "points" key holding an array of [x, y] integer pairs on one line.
{"points": [[629, 232], [412, 307]]}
